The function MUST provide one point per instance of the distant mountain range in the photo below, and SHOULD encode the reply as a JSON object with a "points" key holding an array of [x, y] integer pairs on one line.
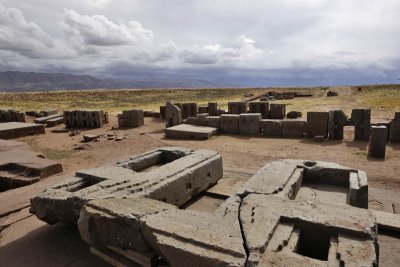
{"points": [[16, 81]]}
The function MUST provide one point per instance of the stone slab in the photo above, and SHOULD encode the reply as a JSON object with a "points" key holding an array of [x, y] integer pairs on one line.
{"points": [[43, 120], [180, 175], [187, 131], [261, 215], [21, 166], [10, 130], [116, 222]]}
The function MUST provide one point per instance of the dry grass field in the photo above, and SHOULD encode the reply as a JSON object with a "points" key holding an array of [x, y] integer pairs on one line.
{"points": [[385, 97]]}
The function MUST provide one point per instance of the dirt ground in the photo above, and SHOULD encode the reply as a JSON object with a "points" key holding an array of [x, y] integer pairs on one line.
{"points": [[26, 241]]}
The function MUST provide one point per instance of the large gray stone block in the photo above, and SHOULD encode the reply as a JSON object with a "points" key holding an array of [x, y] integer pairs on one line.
{"points": [[249, 124], [271, 128], [229, 123]]}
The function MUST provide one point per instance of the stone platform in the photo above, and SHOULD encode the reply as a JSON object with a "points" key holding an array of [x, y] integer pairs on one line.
{"points": [[11, 130], [20, 166], [187, 131], [290, 213]]}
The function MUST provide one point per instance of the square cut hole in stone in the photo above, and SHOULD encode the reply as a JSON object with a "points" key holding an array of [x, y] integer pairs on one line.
{"points": [[322, 184], [313, 242], [154, 160]]}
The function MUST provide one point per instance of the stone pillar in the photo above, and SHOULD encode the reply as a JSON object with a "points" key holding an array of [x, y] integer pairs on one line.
{"points": [[361, 119], [173, 115], [395, 128], [377, 142]]}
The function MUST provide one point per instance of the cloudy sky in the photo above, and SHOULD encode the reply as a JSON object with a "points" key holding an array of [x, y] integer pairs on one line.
{"points": [[254, 43]]}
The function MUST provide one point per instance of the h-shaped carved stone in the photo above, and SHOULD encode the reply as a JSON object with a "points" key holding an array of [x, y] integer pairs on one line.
{"points": [[184, 173], [262, 225]]}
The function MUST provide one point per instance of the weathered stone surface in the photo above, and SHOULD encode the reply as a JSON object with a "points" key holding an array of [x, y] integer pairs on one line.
{"points": [[249, 123], [131, 118], [20, 166], [12, 116], [287, 177], [340, 120], [260, 107], [261, 216], [361, 119], [331, 125], [271, 128], [116, 222], [90, 137], [85, 118], [277, 111], [186, 131], [294, 115], [213, 121], [377, 142], [229, 123], [182, 168], [293, 128], [173, 115], [237, 107], [10, 130], [189, 110], [395, 128], [317, 124], [43, 120], [193, 238], [163, 110]]}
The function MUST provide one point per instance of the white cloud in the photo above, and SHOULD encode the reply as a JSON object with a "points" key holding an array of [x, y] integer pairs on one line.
{"points": [[97, 30], [18, 35], [100, 4], [212, 54]]}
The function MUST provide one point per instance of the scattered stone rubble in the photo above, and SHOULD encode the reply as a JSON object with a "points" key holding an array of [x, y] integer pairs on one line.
{"points": [[20, 166], [290, 213]]}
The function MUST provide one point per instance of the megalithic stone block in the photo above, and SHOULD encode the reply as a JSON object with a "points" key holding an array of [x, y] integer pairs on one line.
{"points": [[180, 168], [249, 123], [377, 142], [317, 124]]}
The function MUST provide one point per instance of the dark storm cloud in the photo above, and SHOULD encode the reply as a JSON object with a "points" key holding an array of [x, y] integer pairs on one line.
{"points": [[253, 42]]}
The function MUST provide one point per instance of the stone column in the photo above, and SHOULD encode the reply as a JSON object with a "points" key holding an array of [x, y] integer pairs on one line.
{"points": [[377, 142]]}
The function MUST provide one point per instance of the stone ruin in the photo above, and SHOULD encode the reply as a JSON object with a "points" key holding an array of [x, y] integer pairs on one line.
{"points": [[290, 213], [43, 113], [85, 118], [173, 115], [10, 130], [395, 128], [21, 166], [325, 124], [131, 118], [159, 174], [237, 107], [12, 116], [50, 120]]}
